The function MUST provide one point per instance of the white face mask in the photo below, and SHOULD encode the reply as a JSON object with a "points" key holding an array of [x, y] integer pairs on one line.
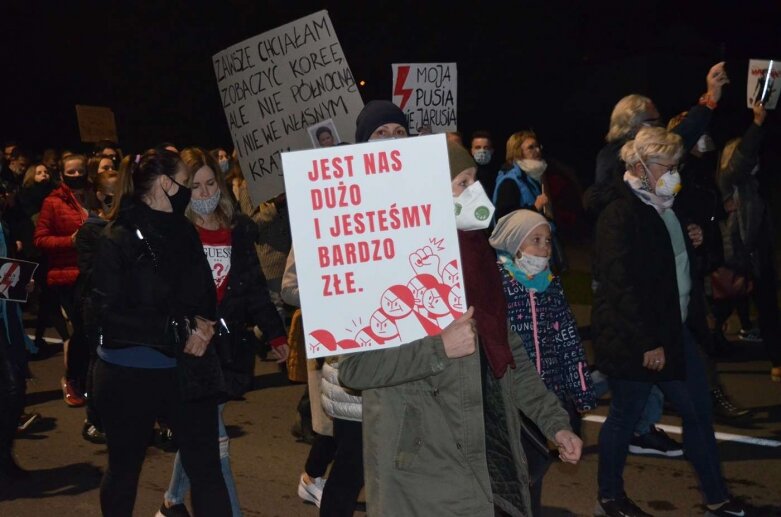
{"points": [[205, 206], [531, 264], [534, 168], [668, 185], [483, 156], [473, 208]]}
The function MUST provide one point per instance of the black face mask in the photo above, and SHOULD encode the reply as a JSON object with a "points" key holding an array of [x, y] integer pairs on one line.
{"points": [[108, 201], [181, 199], [75, 182]]}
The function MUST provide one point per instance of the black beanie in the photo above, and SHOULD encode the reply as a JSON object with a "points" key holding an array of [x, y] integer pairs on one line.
{"points": [[375, 114]]}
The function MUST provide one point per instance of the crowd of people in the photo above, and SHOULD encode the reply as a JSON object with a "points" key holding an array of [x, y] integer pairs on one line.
{"points": [[164, 281]]}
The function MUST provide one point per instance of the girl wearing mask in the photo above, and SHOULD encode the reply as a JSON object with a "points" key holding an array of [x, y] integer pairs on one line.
{"points": [[62, 214], [539, 313], [228, 241], [153, 300]]}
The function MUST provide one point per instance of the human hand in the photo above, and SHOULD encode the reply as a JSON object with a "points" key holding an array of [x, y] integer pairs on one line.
{"points": [[716, 79], [570, 446], [200, 338], [30, 287], [654, 359], [695, 234], [460, 336], [759, 113], [541, 201], [281, 352]]}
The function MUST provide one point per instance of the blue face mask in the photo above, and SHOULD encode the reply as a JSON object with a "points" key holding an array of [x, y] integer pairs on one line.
{"points": [[225, 165]]}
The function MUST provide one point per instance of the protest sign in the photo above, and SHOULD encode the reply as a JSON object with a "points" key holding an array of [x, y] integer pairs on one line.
{"points": [[426, 93], [274, 86], [14, 277], [375, 242], [763, 84], [96, 123]]}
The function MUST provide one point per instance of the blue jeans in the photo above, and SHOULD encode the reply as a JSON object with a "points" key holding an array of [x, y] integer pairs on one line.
{"points": [[691, 398], [652, 412], [180, 483]]}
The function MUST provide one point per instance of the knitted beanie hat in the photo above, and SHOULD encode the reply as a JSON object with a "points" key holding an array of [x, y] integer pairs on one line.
{"points": [[373, 115], [459, 159], [511, 230]]}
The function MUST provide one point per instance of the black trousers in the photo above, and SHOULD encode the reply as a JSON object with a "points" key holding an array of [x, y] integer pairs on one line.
{"points": [[129, 401], [346, 478], [766, 300], [13, 370], [321, 454]]}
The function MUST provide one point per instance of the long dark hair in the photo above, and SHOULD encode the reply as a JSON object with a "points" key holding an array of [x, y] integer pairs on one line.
{"points": [[141, 172]]}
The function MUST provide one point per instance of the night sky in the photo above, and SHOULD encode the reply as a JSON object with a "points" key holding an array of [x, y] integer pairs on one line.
{"points": [[555, 66]]}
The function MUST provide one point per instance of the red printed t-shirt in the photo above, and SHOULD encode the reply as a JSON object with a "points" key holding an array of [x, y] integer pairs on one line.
{"points": [[217, 248]]}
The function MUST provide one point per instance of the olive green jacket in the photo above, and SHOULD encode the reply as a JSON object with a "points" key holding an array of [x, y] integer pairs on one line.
{"points": [[424, 433]]}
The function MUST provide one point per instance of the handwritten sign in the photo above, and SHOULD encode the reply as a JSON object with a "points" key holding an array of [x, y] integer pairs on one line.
{"points": [[378, 262], [274, 86], [14, 277], [96, 123], [763, 82], [426, 93]]}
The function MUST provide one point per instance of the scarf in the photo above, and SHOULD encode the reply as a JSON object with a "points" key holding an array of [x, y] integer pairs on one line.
{"points": [[649, 198], [484, 291], [538, 283]]}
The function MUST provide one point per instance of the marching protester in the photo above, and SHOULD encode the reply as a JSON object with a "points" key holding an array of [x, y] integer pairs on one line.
{"points": [[228, 240], [646, 304], [154, 300], [435, 383]]}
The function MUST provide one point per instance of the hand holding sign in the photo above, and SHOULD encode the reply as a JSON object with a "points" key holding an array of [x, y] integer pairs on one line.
{"points": [[460, 336], [759, 113]]}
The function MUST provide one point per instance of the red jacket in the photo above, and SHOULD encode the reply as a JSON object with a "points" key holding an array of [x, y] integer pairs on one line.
{"points": [[61, 215]]}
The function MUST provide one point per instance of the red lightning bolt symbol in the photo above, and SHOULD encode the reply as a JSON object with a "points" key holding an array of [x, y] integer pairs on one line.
{"points": [[399, 88]]}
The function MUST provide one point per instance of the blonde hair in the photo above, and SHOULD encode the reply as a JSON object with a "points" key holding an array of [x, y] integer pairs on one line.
{"points": [[513, 149], [194, 159], [727, 152], [651, 143], [627, 115], [29, 175]]}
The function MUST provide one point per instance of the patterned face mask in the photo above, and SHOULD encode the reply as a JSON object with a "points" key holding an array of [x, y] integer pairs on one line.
{"points": [[205, 206], [473, 208]]}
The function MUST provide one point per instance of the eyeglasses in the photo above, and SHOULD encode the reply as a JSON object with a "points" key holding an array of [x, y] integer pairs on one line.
{"points": [[671, 168]]}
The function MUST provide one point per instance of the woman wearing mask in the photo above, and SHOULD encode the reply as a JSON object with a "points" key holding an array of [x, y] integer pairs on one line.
{"points": [[62, 214], [427, 408], [228, 241], [646, 306], [97, 165], [153, 299], [521, 183], [222, 158]]}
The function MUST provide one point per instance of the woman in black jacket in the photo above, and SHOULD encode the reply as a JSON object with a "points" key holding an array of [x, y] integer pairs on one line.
{"points": [[646, 307], [228, 241], [153, 301]]}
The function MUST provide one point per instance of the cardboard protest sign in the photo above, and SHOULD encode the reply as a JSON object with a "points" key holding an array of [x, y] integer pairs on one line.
{"points": [[426, 93], [96, 123], [375, 242], [276, 85], [14, 277], [763, 82]]}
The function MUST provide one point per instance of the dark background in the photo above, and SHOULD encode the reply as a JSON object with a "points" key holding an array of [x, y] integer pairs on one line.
{"points": [[557, 67]]}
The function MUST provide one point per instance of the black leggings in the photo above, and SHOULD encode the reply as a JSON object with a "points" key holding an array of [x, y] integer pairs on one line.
{"points": [[346, 478], [129, 401]]}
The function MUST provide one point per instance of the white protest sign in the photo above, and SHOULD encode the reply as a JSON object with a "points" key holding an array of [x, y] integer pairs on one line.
{"points": [[763, 82], [426, 93], [274, 86], [375, 242]]}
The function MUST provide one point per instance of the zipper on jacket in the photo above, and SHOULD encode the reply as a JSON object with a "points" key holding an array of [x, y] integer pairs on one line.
{"points": [[582, 377], [534, 327]]}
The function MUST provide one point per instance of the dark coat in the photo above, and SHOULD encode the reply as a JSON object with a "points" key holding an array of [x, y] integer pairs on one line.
{"points": [[246, 303], [636, 304]]}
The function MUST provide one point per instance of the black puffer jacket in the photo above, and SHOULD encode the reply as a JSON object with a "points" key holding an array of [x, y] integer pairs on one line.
{"points": [[246, 303], [636, 304]]}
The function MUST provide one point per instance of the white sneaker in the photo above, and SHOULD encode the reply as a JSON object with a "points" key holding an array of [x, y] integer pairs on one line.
{"points": [[311, 492]]}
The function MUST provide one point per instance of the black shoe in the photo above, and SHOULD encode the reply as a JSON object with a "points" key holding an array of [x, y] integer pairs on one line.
{"points": [[92, 434], [655, 442], [723, 406], [623, 507], [177, 510], [728, 509]]}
